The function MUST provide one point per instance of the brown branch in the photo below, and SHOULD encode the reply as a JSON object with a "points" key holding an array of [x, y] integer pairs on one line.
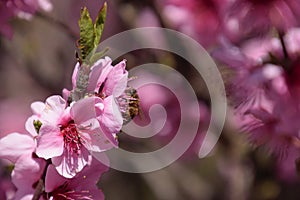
{"points": [[38, 190]]}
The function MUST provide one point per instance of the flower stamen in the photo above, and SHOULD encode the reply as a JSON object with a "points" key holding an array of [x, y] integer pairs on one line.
{"points": [[72, 141]]}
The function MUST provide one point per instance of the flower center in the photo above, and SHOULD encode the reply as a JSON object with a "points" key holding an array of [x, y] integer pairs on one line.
{"points": [[71, 138]]}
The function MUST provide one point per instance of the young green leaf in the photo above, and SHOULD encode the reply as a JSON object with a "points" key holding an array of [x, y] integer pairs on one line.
{"points": [[99, 24], [90, 33], [86, 40]]}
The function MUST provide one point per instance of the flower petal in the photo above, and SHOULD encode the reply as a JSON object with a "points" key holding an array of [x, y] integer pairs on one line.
{"points": [[54, 108], [53, 180], [98, 73], [37, 107], [14, 145], [29, 125], [83, 183], [111, 119], [45, 5], [116, 80], [96, 140], [66, 94], [84, 110], [24, 194], [88, 177], [68, 164], [74, 75], [27, 171], [50, 142]]}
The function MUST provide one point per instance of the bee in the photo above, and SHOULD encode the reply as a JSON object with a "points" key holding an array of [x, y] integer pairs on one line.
{"points": [[133, 105]]}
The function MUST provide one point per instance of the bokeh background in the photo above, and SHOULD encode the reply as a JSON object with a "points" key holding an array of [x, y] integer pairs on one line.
{"points": [[38, 61]]}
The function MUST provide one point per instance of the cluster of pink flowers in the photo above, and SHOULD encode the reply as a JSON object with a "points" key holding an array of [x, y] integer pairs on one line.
{"points": [[265, 92], [237, 20], [199, 19], [259, 44], [53, 159], [21, 8]]}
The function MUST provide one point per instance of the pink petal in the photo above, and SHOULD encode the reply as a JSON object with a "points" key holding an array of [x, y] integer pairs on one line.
{"points": [[53, 179], [27, 171], [88, 177], [84, 110], [111, 120], [69, 165], [55, 102], [30, 126], [116, 80], [14, 145], [85, 180], [50, 142], [261, 114], [66, 93], [37, 107], [74, 75], [45, 5], [96, 193], [98, 73], [54, 108], [24, 194], [96, 140]]}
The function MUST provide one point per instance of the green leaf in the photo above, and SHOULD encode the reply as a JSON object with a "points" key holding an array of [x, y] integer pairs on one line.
{"points": [[90, 33], [86, 40], [99, 24]]}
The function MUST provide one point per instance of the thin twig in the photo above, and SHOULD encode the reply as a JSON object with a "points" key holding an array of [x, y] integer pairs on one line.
{"points": [[38, 190]]}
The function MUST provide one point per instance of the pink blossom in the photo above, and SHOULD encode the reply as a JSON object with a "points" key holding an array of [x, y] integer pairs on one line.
{"points": [[108, 84], [251, 18], [106, 87], [24, 8], [68, 133], [200, 19], [105, 113], [15, 145], [25, 176], [28, 169], [82, 186], [253, 92], [104, 79], [264, 91], [21, 8], [292, 40]]}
